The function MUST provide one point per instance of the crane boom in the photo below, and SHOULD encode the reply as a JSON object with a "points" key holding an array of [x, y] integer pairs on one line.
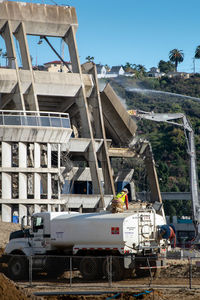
{"points": [[189, 135]]}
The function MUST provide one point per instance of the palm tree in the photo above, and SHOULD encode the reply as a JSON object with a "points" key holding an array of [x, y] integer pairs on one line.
{"points": [[176, 56], [197, 54], [89, 58]]}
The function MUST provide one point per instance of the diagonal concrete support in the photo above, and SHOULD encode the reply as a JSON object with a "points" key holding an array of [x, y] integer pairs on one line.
{"points": [[20, 35], [86, 130], [12, 60]]}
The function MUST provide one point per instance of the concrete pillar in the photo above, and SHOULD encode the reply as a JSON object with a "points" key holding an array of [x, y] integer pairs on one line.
{"points": [[6, 213], [12, 63], [22, 186], [48, 207], [22, 212], [37, 208], [48, 155], [36, 155], [49, 190], [37, 177], [22, 155], [37, 185], [6, 155], [58, 168], [6, 186]]}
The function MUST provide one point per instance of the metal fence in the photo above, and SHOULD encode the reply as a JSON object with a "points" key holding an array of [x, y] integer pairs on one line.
{"points": [[104, 271]]}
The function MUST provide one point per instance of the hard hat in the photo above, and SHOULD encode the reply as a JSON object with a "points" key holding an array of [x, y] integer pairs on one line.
{"points": [[125, 190]]}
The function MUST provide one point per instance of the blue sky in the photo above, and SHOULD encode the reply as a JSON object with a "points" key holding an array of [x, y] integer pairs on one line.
{"points": [[135, 31]]}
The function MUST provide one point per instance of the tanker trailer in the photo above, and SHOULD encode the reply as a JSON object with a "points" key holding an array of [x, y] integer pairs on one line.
{"points": [[130, 238]]}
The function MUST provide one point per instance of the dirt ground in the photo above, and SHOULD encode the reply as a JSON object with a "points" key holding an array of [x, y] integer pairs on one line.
{"points": [[172, 283], [5, 230]]}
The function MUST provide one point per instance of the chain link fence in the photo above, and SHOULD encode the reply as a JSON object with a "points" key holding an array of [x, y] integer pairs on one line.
{"points": [[104, 271]]}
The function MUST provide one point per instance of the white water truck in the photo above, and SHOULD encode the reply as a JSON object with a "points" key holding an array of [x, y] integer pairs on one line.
{"points": [[130, 238]]}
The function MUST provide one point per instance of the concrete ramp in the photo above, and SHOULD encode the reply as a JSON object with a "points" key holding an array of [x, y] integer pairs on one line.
{"points": [[118, 123]]}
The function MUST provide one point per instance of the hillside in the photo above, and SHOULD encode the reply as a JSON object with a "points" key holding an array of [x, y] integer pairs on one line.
{"points": [[168, 142]]}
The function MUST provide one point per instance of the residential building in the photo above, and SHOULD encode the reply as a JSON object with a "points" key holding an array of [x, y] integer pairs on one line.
{"points": [[155, 72], [58, 66]]}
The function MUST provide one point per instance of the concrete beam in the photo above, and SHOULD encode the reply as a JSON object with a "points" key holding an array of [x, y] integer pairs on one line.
{"points": [[119, 123], [39, 19], [45, 83], [34, 134]]}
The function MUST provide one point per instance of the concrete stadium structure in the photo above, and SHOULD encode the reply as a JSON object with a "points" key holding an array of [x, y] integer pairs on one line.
{"points": [[38, 110]]}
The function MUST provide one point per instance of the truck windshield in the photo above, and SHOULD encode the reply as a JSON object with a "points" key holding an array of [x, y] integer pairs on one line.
{"points": [[37, 224]]}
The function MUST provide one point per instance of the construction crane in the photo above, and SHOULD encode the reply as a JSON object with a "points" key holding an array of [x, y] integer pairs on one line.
{"points": [[172, 119]]}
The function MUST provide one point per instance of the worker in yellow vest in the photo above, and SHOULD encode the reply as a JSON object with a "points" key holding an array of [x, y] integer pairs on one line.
{"points": [[119, 201]]}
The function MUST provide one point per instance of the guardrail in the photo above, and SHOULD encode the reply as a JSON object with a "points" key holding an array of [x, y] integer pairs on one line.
{"points": [[34, 119]]}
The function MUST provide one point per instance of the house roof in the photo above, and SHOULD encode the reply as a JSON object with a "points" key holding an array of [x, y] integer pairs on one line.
{"points": [[115, 68], [58, 62]]}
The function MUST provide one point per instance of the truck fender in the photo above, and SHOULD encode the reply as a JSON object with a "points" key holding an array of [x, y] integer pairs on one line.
{"points": [[23, 247]]}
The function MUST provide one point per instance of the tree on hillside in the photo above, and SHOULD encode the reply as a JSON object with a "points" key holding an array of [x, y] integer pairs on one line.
{"points": [[89, 58], [128, 67], [176, 56], [165, 66], [197, 52], [141, 69]]}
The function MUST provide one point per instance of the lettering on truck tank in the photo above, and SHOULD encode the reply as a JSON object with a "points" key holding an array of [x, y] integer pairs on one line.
{"points": [[130, 232]]}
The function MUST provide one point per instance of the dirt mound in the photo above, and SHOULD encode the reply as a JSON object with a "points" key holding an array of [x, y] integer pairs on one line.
{"points": [[5, 230], [9, 290]]}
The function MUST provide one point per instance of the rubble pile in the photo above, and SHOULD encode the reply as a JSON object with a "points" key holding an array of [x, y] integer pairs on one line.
{"points": [[9, 290], [6, 229]]}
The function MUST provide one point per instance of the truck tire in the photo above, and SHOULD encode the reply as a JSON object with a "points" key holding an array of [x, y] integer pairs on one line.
{"points": [[18, 267], [117, 268], [89, 268]]}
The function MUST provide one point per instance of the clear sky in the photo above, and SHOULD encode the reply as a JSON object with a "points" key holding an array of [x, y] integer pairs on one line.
{"points": [[135, 31]]}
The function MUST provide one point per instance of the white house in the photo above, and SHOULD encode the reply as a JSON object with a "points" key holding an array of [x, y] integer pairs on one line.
{"points": [[117, 70], [58, 66], [101, 71], [155, 72]]}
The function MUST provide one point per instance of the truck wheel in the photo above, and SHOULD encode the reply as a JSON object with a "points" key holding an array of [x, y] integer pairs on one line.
{"points": [[89, 268], [18, 268], [117, 268]]}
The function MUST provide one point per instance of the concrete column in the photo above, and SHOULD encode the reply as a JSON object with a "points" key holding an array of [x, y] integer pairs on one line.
{"points": [[22, 186], [6, 213], [22, 212], [12, 63], [48, 155], [48, 207], [58, 156], [6, 186], [6, 155], [37, 208], [22, 155], [37, 155], [37, 187], [37, 177], [49, 189]]}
